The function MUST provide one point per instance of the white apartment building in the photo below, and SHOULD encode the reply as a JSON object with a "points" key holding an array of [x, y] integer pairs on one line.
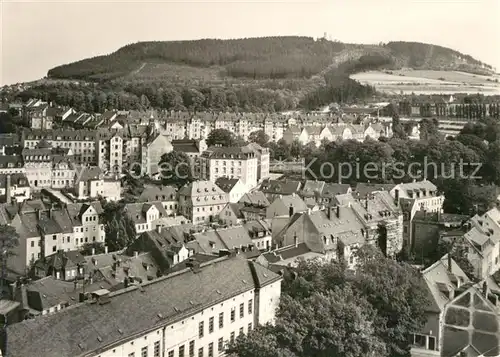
{"points": [[230, 162], [201, 201], [194, 312]]}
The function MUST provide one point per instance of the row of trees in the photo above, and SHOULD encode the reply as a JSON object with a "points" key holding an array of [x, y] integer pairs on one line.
{"points": [[140, 96], [326, 310]]}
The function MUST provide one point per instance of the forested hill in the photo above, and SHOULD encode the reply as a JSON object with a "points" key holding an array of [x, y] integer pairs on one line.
{"points": [[258, 58]]}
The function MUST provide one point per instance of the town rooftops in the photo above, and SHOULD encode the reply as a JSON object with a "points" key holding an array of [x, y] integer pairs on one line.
{"points": [[89, 329], [203, 193], [286, 187], [186, 146], [158, 193], [226, 184], [441, 282], [228, 153], [362, 189]]}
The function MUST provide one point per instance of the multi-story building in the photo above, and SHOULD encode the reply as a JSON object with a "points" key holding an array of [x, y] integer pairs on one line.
{"points": [[81, 142], [263, 159], [201, 201], [167, 195], [413, 197], [43, 231], [230, 162], [153, 148], [193, 312], [90, 183]]}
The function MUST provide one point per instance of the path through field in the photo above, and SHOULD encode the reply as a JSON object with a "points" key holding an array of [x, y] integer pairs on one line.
{"points": [[138, 69]]}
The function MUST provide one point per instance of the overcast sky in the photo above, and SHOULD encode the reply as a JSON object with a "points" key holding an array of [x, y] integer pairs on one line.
{"points": [[37, 35]]}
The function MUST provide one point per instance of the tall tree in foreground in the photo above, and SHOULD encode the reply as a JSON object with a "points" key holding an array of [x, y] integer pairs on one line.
{"points": [[325, 310]]}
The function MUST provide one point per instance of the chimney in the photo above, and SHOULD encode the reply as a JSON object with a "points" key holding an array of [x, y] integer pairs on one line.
{"points": [[396, 197], [449, 262], [366, 203], [105, 249], [93, 251], [158, 228], [290, 210], [8, 196], [136, 254], [337, 211]]}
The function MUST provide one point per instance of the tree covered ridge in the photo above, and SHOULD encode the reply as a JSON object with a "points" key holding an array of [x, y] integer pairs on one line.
{"points": [[256, 58]]}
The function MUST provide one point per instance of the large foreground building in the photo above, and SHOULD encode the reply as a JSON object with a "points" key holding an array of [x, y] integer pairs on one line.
{"points": [[193, 312]]}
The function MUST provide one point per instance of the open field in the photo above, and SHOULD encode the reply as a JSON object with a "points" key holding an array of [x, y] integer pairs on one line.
{"points": [[429, 82]]}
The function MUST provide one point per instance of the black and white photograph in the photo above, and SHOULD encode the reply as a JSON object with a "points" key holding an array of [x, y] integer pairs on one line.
{"points": [[288, 178]]}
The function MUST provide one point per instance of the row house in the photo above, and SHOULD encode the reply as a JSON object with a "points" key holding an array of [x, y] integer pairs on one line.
{"points": [[81, 142], [198, 311], [43, 231]]}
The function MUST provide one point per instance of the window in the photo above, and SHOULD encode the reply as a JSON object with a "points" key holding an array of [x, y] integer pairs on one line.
{"points": [[54, 237], [220, 345], [156, 349], [200, 329], [181, 351], [241, 330], [144, 351], [131, 354], [221, 320], [200, 352], [420, 340], [191, 349], [249, 327], [242, 310], [32, 243], [211, 325], [232, 337], [233, 314], [171, 353], [250, 302], [211, 349]]}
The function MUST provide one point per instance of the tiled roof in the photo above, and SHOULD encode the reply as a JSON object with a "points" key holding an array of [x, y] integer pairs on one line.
{"points": [[49, 292], [280, 187], [437, 277], [158, 193], [204, 193], [90, 328], [362, 189], [226, 184], [257, 198]]}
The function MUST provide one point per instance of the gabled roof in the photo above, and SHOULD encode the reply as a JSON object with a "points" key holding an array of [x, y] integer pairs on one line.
{"points": [[134, 310], [256, 198], [226, 184], [437, 277], [287, 187], [158, 193]]}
